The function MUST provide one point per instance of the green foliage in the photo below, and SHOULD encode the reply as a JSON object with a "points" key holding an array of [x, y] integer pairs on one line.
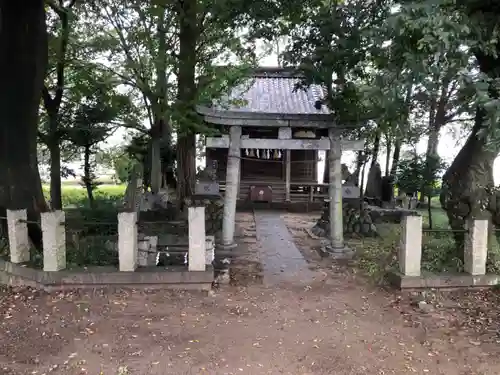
{"points": [[332, 44], [105, 196], [117, 159], [416, 174]]}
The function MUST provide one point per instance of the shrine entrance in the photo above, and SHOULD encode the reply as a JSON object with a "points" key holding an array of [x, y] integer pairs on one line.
{"points": [[278, 120]]}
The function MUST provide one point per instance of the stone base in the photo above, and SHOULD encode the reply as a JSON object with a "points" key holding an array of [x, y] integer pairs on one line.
{"points": [[106, 277], [225, 247], [442, 281], [328, 250]]}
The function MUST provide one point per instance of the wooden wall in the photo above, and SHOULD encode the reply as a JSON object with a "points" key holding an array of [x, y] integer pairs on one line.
{"points": [[304, 166]]}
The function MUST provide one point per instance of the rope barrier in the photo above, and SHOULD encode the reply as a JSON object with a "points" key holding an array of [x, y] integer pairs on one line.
{"points": [[281, 160]]}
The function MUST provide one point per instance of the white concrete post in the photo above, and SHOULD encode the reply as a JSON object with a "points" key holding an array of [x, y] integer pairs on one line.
{"points": [[288, 166], [19, 242], [410, 248], [232, 186], [127, 241], [54, 240], [476, 247], [335, 191], [196, 253], [209, 250]]}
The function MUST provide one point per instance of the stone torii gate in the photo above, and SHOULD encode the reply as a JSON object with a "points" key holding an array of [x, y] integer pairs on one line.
{"points": [[270, 98], [235, 142]]}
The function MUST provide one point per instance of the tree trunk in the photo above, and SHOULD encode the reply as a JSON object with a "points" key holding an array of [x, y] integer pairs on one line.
{"points": [[433, 130], [326, 169], [186, 166], [52, 106], [467, 189], [360, 162], [376, 148], [155, 149], [161, 130], [23, 59], [468, 180], [396, 156], [388, 148], [55, 175], [186, 100], [87, 176]]}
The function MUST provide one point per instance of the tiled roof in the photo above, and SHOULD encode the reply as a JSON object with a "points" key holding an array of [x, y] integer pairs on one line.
{"points": [[274, 91]]}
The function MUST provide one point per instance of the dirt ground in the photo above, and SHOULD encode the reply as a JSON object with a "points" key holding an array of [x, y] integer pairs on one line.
{"points": [[339, 324]]}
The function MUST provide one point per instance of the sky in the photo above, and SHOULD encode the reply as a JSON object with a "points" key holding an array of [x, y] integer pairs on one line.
{"points": [[449, 145]]}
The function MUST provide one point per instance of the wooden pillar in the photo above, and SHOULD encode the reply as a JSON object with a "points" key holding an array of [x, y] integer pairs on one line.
{"points": [[335, 191], [288, 160], [232, 186]]}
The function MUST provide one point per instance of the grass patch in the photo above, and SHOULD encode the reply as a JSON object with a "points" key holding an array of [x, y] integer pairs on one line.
{"points": [[377, 256]]}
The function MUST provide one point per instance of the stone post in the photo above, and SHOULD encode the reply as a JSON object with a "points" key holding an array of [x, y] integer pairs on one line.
{"points": [[410, 248], [335, 192], [209, 250], [197, 242], [54, 240], [232, 186], [127, 241], [288, 157], [476, 247], [19, 242], [147, 251]]}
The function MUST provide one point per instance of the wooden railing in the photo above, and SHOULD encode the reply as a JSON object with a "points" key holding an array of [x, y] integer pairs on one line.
{"points": [[299, 191], [308, 191]]}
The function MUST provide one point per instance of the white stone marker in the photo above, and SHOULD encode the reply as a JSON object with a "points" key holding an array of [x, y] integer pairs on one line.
{"points": [[127, 241], [19, 242], [196, 253], [410, 248], [54, 241], [476, 247]]}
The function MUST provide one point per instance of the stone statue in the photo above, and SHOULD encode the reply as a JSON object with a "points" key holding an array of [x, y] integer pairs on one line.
{"points": [[387, 189], [348, 178], [374, 184]]}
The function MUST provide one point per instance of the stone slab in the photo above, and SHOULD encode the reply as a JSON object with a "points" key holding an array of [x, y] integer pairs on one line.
{"points": [[443, 281], [281, 259], [349, 192], [98, 277], [207, 188]]}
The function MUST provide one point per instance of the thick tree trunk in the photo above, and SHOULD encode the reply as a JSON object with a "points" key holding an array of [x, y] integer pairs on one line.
{"points": [[186, 166], [467, 189], [467, 182], [186, 139], [23, 59], [161, 131]]}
